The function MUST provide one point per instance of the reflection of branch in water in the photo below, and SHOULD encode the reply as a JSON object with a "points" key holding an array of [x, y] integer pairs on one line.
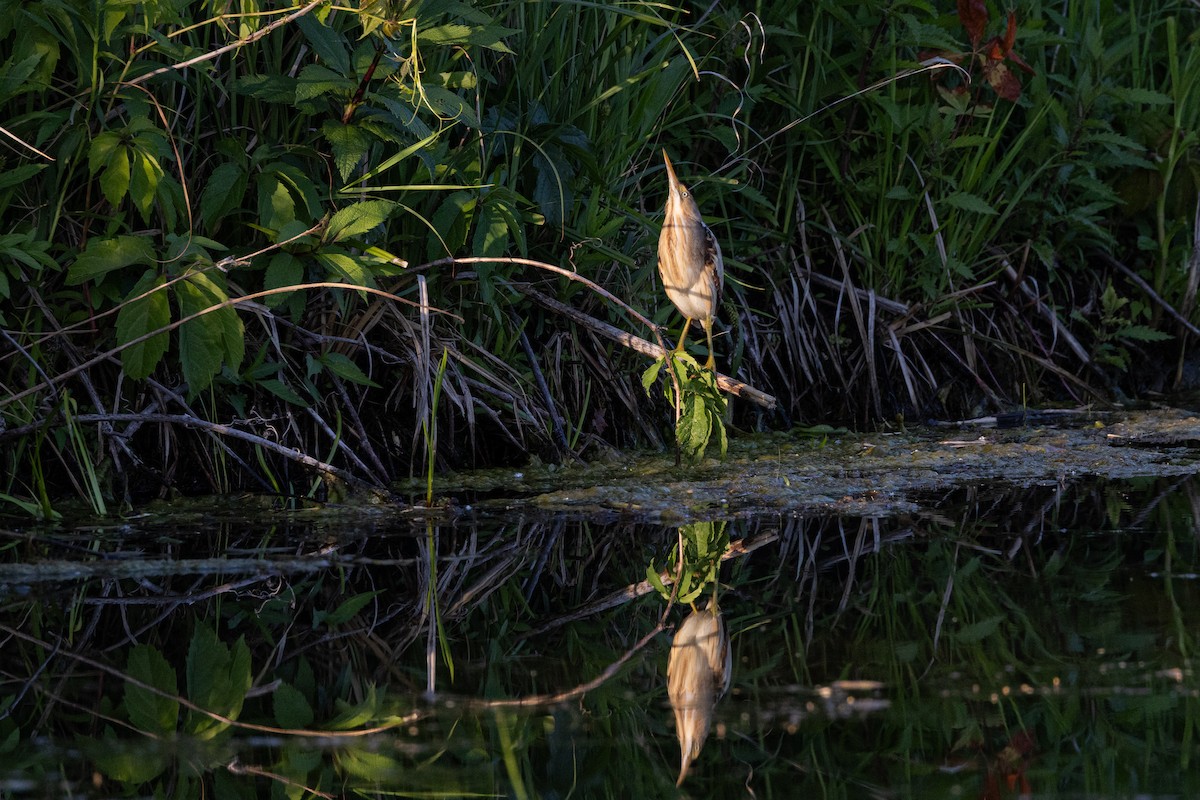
{"points": [[737, 549]]}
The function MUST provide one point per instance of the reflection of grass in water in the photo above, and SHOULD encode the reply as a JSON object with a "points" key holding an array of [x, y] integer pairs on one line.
{"points": [[948, 609], [982, 632]]}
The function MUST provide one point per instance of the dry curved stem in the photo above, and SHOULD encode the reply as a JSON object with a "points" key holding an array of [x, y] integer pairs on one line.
{"points": [[209, 56]]}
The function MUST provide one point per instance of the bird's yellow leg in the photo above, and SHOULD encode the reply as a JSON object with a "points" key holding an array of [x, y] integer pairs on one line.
{"points": [[687, 323], [711, 364]]}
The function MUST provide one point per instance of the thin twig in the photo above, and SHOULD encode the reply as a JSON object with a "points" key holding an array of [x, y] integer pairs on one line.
{"points": [[209, 56]]}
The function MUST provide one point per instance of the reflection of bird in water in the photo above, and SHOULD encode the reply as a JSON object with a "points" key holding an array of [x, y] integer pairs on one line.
{"points": [[698, 673], [689, 261]]}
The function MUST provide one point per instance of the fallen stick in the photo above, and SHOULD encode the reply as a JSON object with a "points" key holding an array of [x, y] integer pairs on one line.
{"points": [[646, 348]]}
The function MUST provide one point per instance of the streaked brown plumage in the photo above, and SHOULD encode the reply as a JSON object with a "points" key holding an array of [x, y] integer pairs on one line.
{"points": [[698, 675], [689, 260]]}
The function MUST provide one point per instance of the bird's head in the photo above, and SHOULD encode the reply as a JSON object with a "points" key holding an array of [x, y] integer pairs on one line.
{"points": [[680, 204]]}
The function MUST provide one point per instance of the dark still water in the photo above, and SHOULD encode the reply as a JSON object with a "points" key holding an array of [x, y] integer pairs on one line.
{"points": [[990, 642]]}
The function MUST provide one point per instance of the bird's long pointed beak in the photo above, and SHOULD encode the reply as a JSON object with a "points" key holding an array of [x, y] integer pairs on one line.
{"points": [[670, 170]]}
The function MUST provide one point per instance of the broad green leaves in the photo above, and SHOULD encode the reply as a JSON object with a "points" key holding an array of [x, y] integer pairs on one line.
{"points": [[146, 313], [212, 333], [702, 405], [357, 219], [105, 255], [704, 545], [127, 162]]}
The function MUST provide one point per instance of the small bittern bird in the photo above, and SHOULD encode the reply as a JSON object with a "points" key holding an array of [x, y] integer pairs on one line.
{"points": [[698, 675], [689, 261]]}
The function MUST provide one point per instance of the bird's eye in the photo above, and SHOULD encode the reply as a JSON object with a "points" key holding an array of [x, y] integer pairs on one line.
{"points": [[683, 193]]}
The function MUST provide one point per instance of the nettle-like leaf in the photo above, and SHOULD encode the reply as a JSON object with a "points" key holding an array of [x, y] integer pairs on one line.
{"points": [[146, 310], [284, 269], [105, 255], [349, 144], [215, 336], [357, 219], [223, 194], [703, 406]]}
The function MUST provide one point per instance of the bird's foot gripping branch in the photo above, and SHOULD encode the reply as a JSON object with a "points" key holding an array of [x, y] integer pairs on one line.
{"points": [[699, 409]]}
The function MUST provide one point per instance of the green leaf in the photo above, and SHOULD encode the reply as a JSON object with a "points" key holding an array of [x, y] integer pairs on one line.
{"points": [[347, 268], [268, 88], [101, 150], [1146, 96], [224, 192], [655, 580], [143, 182], [217, 679], [1143, 333], [139, 316], [291, 708], [284, 269], [114, 181], [344, 612], [357, 219], [282, 391], [19, 175], [150, 712], [969, 202], [352, 716], [491, 231], [208, 339], [329, 45], [121, 761], [978, 631], [369, 766], [488, 36], [450, 106], [343, 367], [693, 429], [651, 374], [316, 81], [105, 255], [349, 144]]}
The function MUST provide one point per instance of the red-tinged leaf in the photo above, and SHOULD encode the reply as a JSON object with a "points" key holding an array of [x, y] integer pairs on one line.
{"points": [[973, 15], [1020, 62], [1004, 82], [1010, 35]]}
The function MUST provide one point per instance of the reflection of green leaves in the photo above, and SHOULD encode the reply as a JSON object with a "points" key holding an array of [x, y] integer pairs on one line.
{"points": [[704, 545], [150, 711], [292, 710], [125, 762], [217, 680], [344, 612], [703, 408]]}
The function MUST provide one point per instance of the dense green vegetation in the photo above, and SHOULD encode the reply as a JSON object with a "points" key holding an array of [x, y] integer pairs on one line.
{"points": [[242, 245]]}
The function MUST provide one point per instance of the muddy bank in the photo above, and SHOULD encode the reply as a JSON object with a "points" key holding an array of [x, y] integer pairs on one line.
{"points": [[839, 472]]}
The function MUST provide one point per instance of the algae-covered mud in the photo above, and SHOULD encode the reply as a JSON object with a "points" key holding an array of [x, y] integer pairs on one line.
{"points": [[825, 470], [966, 612]]}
